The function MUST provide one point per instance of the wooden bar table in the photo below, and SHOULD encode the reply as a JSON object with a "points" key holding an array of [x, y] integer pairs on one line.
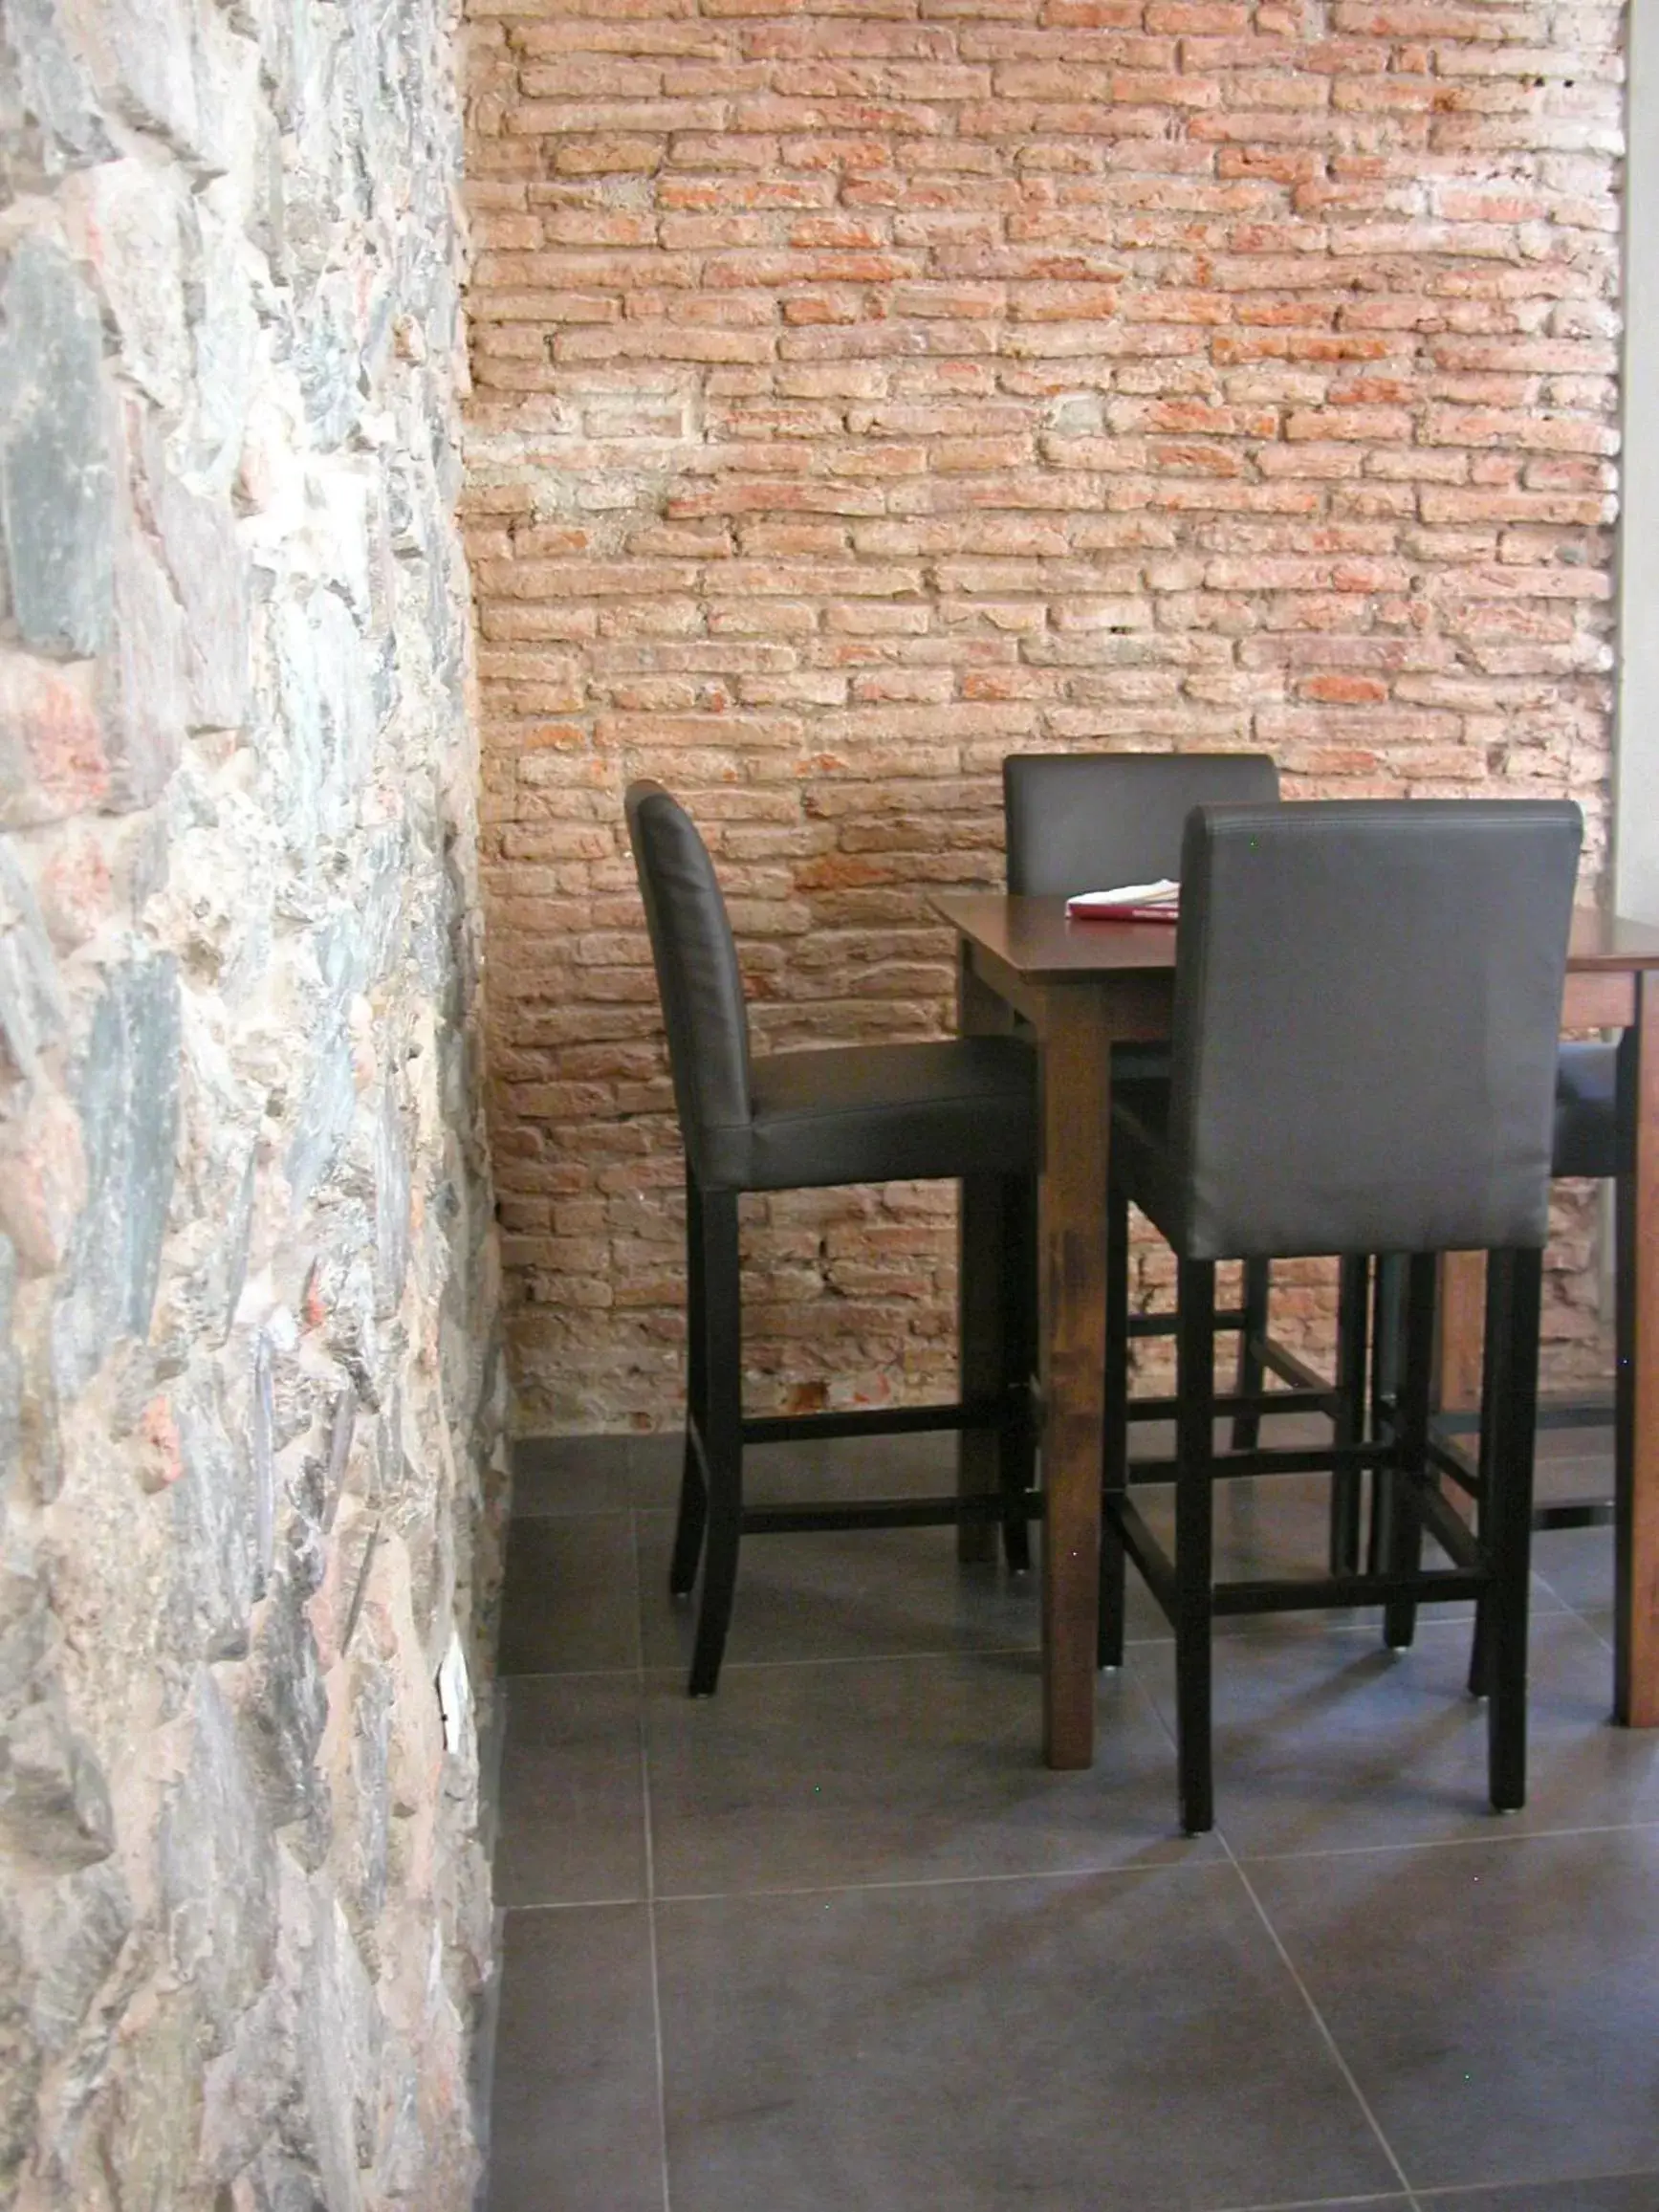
{"points": [[1086, 986]]}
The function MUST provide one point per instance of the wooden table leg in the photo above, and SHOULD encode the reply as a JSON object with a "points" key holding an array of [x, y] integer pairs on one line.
{"points": [[1636, 1616], [1075, 1109], [1461, 1353], [1462, 1332], [979, 1289]]}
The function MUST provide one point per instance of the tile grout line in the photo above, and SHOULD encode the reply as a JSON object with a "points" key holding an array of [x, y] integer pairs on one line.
{"points": [[903, 1885], [1321, 2023], [639, 1724], [1447, 1843], [1323, 2203], [1302, 1989], [1579, 1615], [1455, 2189]]}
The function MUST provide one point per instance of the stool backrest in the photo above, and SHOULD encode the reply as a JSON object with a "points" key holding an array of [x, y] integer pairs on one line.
{"points": [[1368, 1009], [696, 962], [1087, 821]]}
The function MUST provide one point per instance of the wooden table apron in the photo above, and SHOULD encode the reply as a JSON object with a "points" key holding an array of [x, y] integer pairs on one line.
{"points": [[1084, 987]]}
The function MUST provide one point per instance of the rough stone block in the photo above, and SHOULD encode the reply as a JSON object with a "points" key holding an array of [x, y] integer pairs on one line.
{"points": [[218, 1866], [128, 1094], [56, 1809], [147, 689], [53, 760], [341, 2033], [57, 470], [245, 2087], [128, 219], [140, 56], [72, 1933], [208, 567], [328, 357], [286, 1712], [214, 1554], [32, 1013], [42, 1181], [325, 671], [51, 88], [226, 67], [226, 341]]}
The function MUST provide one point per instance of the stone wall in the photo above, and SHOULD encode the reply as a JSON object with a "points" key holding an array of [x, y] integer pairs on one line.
{"points": [[249, 1384], [865, 392]]}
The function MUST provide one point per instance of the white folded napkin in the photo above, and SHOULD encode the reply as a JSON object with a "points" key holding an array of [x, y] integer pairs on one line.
{"points": [[1139, 902]]}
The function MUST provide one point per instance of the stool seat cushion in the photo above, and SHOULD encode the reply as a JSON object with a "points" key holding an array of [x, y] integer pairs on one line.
{"points": [[880, 1113], [1586, 1124], [1586, 1127]]}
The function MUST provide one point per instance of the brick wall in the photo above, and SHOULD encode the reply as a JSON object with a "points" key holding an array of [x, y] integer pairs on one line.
{"points": [[864, 391]]}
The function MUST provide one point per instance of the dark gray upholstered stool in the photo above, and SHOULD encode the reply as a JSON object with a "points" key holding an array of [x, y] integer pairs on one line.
{"points": [[1591, 1140], [1084, 822], [798, 1120], [1367, 997], [1594, 1122]]}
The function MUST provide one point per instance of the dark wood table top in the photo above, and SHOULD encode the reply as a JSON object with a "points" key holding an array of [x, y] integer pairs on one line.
{"points": [[1034, 937]]}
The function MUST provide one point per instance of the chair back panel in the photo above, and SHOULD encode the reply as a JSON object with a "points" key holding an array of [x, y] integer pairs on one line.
{"points": [[696, 962], [1087, 821], [1368, 1009]]}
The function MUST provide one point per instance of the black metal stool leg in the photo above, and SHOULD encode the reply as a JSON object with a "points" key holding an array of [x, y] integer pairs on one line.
{"points": [[1387, 1341], [1624, 1235], [1410, 1465], [1514, 1285], [1195, 1452], [722, 1434], [1115, 1468], [1251, 1373], [1347, 1484], [1480, 1643], [693, 1513]]}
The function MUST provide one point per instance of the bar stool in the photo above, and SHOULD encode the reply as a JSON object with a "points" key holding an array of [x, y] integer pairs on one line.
{"points": [[965, 1108], [1591, 1143], [1082, 821], [1368, 995], [1594, 1122]]}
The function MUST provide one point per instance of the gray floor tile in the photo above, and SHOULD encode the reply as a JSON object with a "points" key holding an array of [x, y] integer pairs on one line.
{"points": [[1578, 1468], [553, 1475], [571, 1596], [1124, 2043], [1264, 1526], [1612, 2192], [1599, 1620], [556, 1475], [920, 1464], [1274, 1525], [657, 1461], [895, 1771], [574, 2119], [1498, 2003], [844, 1595], [572, 1820], [1577, 1564], [1591, 1440], [1326, 1742]]}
